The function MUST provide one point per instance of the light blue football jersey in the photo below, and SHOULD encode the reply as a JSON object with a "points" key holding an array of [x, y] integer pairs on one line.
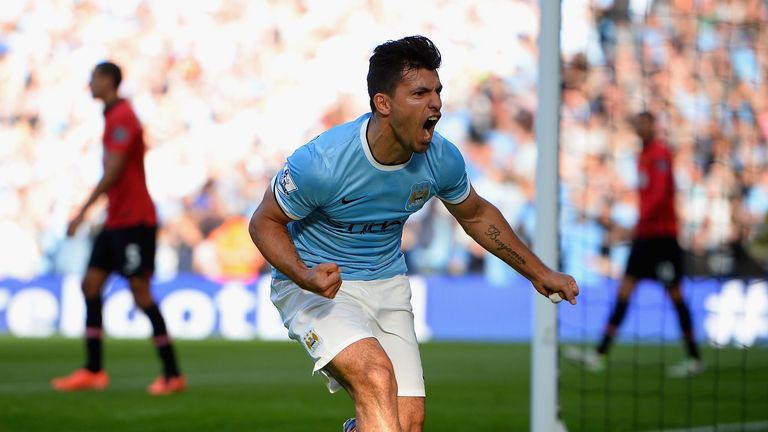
{"points": [[350, 210]]}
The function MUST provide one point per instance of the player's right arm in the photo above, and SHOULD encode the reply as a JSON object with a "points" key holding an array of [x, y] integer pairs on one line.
{"points": [[269, 232], [299, 188]]}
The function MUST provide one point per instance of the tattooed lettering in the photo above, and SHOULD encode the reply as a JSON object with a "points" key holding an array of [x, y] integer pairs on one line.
{"points": [[493, 233]]}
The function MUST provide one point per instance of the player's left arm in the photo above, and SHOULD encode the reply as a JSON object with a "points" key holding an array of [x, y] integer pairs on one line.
{"points": [[486, 225], [114, 164]]}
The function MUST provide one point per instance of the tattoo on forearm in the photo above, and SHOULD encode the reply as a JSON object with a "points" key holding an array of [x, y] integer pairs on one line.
{"points": [[493, 233]]}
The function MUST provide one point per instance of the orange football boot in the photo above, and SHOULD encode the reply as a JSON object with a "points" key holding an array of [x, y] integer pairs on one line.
{"points": [[81, 379], [162, 386]]}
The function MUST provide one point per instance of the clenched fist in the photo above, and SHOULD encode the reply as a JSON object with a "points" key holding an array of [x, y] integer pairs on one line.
{"points": [[556, 282], [323, 279]]}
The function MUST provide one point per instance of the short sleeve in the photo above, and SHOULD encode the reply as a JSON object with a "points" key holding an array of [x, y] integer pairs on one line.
{"points": [[119, 134], [299, 187], [453, 186]]}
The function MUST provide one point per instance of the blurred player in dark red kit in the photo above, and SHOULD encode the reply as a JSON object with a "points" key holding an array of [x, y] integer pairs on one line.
{"points": [[126, 244], [655, 253]]}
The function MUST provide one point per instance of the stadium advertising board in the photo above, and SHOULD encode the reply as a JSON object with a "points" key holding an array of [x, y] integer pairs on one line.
{"points": [[726, 312]]}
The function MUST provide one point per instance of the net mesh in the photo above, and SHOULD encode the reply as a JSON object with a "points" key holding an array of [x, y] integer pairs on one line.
{"points": [[702, 69]]}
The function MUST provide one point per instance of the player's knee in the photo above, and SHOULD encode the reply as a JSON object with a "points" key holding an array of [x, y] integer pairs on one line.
{"points": [[142, 298], [378, 379], [675, 295], [143, 301], [91, 291], [142, 294], [413, 423], [413, 426]]}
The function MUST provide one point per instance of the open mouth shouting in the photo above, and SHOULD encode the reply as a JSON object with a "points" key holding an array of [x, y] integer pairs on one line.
{"points": [[429, 128]]}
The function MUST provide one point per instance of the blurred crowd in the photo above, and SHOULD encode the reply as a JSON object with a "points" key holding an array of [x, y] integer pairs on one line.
{"points": [[227, 89], [701, 67]]}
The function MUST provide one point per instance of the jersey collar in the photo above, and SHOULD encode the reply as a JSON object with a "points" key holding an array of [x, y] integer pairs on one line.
{"points": [[369, 155], [109, 107]]}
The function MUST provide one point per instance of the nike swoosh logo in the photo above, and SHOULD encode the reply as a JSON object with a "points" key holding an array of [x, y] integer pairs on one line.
{"points": [[344, 200]]}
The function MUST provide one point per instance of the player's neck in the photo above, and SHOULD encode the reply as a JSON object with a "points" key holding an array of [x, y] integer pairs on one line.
{"points": [[647, 142], [385, 147], [110, 100]]}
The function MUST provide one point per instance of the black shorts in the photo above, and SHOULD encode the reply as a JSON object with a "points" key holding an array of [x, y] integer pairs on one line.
{"points": [[660, 259], [128, 251]]}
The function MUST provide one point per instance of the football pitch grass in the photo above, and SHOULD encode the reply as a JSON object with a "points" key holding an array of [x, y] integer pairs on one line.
{"points": [[266, 386]]}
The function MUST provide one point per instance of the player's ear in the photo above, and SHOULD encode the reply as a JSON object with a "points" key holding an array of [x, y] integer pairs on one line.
{"points": [[383, 103]]}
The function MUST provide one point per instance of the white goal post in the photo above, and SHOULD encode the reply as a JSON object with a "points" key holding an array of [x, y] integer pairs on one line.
{"points": [[544, 365]]}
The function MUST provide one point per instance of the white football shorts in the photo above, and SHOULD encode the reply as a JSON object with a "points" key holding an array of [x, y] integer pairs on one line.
{"points": [[362, 309]]}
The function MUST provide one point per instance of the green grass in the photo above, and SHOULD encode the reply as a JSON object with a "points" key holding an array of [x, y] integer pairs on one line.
{"points": [[261, 386], [253, 386], [633, 394]]}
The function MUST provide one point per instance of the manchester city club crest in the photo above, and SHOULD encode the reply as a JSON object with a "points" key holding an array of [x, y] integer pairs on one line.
{"points": [[418, 196], [311, 340]]}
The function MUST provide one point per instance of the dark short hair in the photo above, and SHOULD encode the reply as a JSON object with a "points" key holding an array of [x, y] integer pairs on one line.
{"points": [[111, 70], [647, 115], [393, 59]]}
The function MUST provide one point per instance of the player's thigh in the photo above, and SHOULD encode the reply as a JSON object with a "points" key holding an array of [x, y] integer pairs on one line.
{"points": [[411, 412], [674, 292], [93, 281], [395, 330], [627, 287], [322, 326], [641, 263], [363, 365], [402, 348], [134, 251], [100, 264], [670, 268]]}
